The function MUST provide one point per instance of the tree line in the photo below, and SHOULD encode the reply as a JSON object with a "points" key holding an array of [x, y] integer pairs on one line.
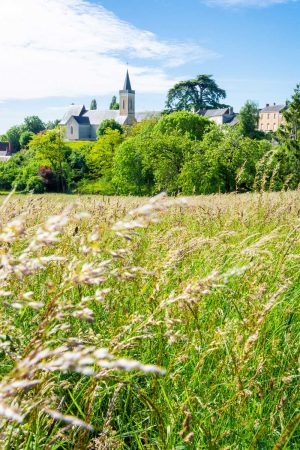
{"points": [[178, 151]]}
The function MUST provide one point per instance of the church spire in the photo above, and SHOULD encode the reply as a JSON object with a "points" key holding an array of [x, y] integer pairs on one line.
{"points": [[127, 101], [127, 84]]}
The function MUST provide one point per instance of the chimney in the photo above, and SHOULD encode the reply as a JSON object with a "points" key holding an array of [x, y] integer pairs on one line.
{"points": [[274, 104], [267, 105]]}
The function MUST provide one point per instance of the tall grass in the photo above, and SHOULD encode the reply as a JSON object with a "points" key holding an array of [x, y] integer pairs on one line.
{"points": [[150, 324]]}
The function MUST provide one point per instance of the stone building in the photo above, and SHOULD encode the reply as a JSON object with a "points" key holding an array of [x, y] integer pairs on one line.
{"points": [[270, 117], [220, 116], [81, 124]]}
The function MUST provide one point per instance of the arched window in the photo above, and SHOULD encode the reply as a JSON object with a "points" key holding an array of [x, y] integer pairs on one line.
{"points": [[72, 130], [123, 104]]}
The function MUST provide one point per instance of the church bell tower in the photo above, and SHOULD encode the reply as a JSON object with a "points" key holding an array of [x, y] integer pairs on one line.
{"points": [[127, 101]]}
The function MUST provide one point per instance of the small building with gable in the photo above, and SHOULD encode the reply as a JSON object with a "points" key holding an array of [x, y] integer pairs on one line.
{"points": [[220, 116]]}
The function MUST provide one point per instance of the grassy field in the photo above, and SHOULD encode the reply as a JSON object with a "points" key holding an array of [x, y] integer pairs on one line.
{"points": [[174, 326]]}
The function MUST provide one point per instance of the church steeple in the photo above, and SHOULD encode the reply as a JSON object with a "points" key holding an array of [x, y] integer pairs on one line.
{"points": [[127, 100], [127, 84]]}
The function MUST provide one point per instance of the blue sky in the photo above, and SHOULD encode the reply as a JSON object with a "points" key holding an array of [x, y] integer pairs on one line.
{"points": [[63, 51]]}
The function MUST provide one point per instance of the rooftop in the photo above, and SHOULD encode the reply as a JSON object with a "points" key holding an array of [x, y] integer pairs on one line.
{"points": [[273, 108]]}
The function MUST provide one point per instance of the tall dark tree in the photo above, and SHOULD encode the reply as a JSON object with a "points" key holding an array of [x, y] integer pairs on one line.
{"points": [[93, 104], [281, 167], [194, 95], [114, 104], [289, 132]]}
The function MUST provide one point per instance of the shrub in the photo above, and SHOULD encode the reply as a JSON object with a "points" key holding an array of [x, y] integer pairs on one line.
{"points": [[184, 122], [109, 123], [36, 185]]}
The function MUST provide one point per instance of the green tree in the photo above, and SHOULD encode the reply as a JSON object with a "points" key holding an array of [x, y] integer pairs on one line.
{"points": [[194, 95], [184, 122], [156, 158], [13, 136], [289, 132], [129, 174], [224, 161], [50, 150], [93, 104], [108, 123], [280, 168], [100, 158], [248, 119], [33, 124], [51, 124], [114, 104], [25, 138]]}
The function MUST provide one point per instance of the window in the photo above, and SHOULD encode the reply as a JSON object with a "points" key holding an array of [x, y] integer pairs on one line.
{"points": [[268, 125], [123, 104], [72, 130], [268, 116], [274, 116]]}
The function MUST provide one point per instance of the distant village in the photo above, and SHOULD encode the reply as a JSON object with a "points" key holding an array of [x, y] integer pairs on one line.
{"points": [[81, 124]]}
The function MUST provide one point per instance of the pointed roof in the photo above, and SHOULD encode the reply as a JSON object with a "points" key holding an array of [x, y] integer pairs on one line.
{"points": [[74, 110], [127, 84]]}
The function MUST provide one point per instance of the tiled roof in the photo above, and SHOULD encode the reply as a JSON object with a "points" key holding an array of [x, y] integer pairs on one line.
{"points": [[215, 112], [96, 116], [82, 120], [273, 108], [74, 110], [234, 121]]}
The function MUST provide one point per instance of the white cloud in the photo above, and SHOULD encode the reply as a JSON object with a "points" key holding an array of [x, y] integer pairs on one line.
{"points": [[246, 3], [73, 48]]}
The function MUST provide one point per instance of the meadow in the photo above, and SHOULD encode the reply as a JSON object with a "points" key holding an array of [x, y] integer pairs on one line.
{"points": [[137, 323]]}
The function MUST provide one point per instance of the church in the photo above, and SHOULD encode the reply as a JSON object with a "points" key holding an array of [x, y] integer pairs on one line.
{"points": [[81, 124]]}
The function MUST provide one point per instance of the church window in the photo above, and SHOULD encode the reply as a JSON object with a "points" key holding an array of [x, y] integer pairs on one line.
{"points": [[72, 130], [123, 104]]}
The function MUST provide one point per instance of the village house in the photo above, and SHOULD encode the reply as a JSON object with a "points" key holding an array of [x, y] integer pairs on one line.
{"points": [[82, 124], [271, 117], [220, 116]]}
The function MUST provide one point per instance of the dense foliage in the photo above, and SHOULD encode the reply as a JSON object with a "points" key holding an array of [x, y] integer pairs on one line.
{"points": [[108, 123], [180, 152]]}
